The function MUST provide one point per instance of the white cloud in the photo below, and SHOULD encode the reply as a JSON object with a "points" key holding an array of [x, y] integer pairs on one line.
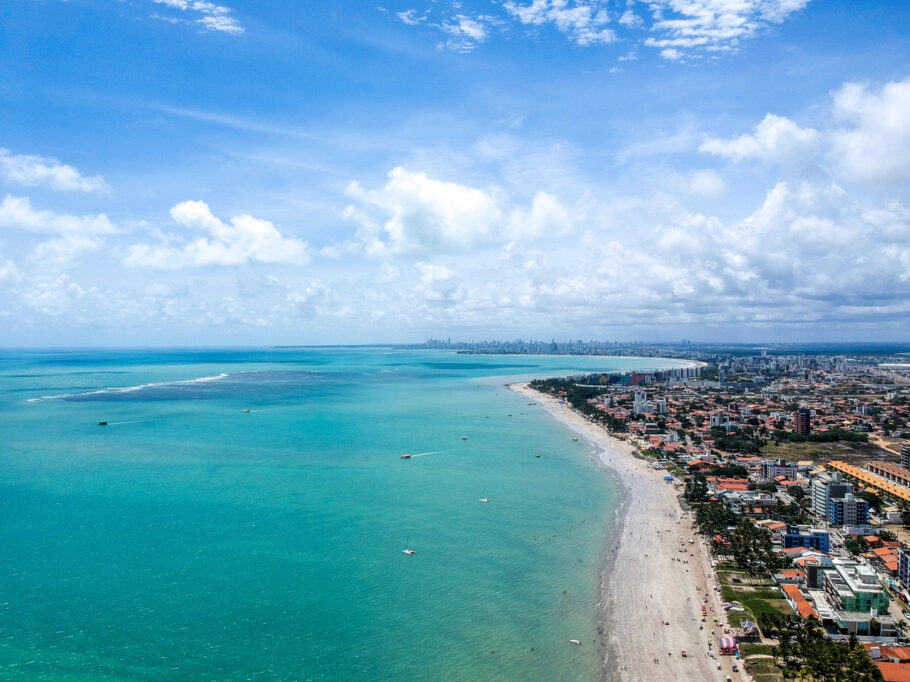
{"points": [[44, 171], [775, 138], [411, 17], [55, 297], [18, 213], [866, 138], [584, 21], [413, 213], [875, 145], [680, 29], [64, 249], [245, 240], [631, 19], [697, 26], [209, 16], [421, 213], [465, 32]]}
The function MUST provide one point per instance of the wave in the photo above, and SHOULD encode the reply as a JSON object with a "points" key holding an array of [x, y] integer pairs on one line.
{"points": [[130, 389]]}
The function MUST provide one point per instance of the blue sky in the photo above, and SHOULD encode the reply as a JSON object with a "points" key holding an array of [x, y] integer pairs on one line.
{"points": [[189, 172]]}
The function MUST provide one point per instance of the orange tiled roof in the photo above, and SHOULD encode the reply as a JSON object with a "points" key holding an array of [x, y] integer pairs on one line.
{"points": [[894, 672], [802, 605]]}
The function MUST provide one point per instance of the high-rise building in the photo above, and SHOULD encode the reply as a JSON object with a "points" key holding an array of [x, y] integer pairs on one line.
{"points": [[639, 402], [905, 455], [801, 424], [826, 486]]}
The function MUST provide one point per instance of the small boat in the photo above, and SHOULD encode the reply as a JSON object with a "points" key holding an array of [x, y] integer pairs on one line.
{"points": [[575, 641], [537, 456], [575, 439], [464, 438], [102, 423], [407, 550], [246, 411], [483, 499], [405, 457]]}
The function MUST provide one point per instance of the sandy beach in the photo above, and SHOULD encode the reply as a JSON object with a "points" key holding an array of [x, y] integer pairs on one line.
{"points": [[647, 580]]}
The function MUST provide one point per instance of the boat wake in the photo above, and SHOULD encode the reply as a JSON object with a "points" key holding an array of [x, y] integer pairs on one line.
{"points": [[432, 452]]}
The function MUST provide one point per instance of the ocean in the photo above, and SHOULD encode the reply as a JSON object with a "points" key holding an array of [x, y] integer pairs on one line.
{"points": [[190, 539]]}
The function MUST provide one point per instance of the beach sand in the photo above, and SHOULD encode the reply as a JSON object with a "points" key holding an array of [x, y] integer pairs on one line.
{"points": [[645, 580]]}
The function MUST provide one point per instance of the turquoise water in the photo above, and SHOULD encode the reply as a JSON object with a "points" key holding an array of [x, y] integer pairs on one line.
{"points": [[191, 540]]}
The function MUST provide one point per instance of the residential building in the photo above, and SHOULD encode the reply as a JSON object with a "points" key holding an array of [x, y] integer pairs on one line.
{"points": [[847, 511], [903, 567], [858, 598], [890, 472], [905, 455], [803, 536], [801, 422], [772, 468], [826, 486]]}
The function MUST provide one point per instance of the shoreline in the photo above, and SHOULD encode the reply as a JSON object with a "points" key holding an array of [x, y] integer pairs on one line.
{"points": [[645, 578]]}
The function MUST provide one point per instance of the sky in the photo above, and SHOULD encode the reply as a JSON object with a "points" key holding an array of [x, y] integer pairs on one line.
{"points": [[182, 172]]}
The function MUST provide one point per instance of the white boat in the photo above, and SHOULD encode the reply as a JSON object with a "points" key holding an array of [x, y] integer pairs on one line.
{"points": [[483, 499], [405, 457], [575, 641], [409, 552], [464, 438], [246, 411]]}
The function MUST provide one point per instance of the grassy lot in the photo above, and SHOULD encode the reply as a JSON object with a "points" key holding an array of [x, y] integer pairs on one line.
{"points": [[757, 595], [749, 649], [764, 670], [852, 453]]}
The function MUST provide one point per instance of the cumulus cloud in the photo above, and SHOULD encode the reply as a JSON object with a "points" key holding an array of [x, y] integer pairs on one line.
{"points": [[208, 15], [809, 254], [245, 240], [414, 213], [873, 142], [866, 139], [18, 213], [776, 138], [583, 21], [45, 171], [75, 235]]}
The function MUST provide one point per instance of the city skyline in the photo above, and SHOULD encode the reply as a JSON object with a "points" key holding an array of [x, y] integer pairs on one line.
{"points": [[176, 172]]}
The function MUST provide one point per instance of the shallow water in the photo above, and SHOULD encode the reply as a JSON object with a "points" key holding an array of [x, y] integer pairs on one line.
{"points": [[189, 539]]}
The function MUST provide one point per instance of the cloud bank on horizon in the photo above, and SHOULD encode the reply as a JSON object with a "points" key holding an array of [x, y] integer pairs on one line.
{"points": [[610, 169]]}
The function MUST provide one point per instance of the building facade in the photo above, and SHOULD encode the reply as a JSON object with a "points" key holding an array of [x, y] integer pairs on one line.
{"points": [[772, 468], [801, 422], [848, 511], [811, 538], [826, 486]]}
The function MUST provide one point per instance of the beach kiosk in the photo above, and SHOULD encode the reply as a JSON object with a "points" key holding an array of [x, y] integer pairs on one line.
{"points": [[727, 646]]}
